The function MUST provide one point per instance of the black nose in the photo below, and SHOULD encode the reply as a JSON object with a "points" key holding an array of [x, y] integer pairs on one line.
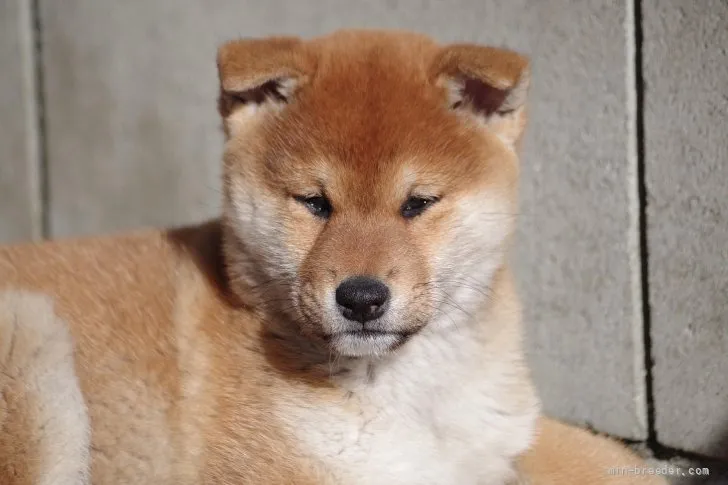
{"points": [[362, 298]]}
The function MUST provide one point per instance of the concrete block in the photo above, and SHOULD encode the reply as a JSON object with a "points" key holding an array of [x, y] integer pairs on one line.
{"points": [[578, 256], [20, 216], [686, 145], [133, 139]]}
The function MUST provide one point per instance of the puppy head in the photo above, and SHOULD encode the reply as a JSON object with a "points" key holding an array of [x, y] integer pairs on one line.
{"points": [[370, 179]]}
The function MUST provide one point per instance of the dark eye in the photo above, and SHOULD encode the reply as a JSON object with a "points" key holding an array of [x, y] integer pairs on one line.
{"points": [[414, 206], [317, 204]]}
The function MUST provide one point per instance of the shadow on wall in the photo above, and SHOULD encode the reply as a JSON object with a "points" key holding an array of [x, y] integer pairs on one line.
{"points": [[718, 467]]}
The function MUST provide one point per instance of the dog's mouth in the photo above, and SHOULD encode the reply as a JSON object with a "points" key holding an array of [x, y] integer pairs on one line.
{"points": [[365, 343], [367, 333]]}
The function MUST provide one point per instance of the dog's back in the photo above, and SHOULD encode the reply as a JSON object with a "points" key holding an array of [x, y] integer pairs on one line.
{"points": [[100, 306]]}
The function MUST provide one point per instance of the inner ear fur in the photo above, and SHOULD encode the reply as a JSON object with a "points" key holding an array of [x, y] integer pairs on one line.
{"points": [[488, 82], [260, 70]]}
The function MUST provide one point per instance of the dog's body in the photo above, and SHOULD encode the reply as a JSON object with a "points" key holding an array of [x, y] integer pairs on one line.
{"points": [[369, 167], [175, 377]]}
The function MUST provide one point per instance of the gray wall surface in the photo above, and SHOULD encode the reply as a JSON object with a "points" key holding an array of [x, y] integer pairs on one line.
{"points": [[622, 255], [686, 148], [20, 196]]}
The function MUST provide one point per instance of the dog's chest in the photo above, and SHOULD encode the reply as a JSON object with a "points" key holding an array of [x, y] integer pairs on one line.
{"points": [[403, 432]]}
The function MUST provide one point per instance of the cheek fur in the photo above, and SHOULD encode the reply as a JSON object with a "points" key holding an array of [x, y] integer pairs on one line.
{"points": [[301, 232], [260, 221], [470, 251]]}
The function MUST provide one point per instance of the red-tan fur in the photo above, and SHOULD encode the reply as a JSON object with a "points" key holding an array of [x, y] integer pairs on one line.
{"points": [[205, 354]]}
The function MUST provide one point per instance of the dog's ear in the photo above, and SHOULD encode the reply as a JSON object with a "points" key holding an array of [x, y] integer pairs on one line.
{"points": [[488, 83], [259, 73]]}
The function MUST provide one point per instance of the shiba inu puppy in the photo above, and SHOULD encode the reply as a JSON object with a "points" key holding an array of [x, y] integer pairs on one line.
{"points": [[350, 318]]}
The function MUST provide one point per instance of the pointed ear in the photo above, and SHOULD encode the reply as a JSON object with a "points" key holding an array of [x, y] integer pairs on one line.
{"points": [[256, 74], [488, 83]]}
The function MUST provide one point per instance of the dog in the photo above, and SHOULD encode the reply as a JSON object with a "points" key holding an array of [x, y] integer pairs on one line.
{"points": [[349, 319]]}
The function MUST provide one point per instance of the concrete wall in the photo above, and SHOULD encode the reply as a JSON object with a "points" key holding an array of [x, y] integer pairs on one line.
{"points": [[622, 253], [686, 156], [20, 182]]}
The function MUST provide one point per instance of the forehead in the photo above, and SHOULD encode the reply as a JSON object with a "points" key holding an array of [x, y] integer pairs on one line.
{"points": [[371, 114]]}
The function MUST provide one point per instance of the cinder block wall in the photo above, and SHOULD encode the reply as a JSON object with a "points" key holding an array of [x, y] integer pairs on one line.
{"points": [[108, 122]]}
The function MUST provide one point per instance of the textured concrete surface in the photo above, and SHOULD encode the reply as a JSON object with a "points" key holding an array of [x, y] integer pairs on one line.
{"points": [[132, 133], [686, 116], [578, 257], [19, 194], [133, 139]]}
